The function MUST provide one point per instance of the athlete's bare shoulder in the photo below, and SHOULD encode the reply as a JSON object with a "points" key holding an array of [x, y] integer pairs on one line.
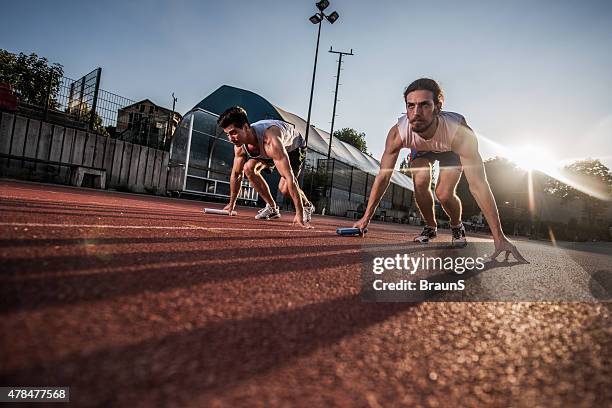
{"points": [[393, 131], [394, 141], [239, 151]]}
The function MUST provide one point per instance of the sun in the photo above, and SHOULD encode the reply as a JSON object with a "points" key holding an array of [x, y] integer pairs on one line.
{"points": [[532, 157]]}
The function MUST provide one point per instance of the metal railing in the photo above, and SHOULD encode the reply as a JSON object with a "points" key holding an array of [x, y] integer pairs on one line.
{"points": [[83, 104]]}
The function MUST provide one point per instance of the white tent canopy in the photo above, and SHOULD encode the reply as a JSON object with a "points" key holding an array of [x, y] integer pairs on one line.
{"points": [[318, 140]]}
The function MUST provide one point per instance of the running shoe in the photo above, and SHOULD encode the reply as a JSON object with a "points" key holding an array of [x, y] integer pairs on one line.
{"points": [[268, 213], [459, 239], [427, 234]]}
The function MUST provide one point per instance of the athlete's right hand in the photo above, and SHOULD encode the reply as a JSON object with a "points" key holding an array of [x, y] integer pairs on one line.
{"points": [[300, 221], [230, 208], [504, 245], [362, 224]]}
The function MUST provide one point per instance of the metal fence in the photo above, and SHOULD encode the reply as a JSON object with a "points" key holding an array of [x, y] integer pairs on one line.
{"points": [[82, 104], [343, 190]]}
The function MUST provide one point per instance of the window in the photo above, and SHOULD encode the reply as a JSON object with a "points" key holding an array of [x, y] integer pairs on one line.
{"points": [[151, 109], [142, 108]]}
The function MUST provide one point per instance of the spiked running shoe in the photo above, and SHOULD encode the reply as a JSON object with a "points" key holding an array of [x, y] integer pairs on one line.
{"points": [[308, 211], [427, 234], [459, 239], [268, 213]]}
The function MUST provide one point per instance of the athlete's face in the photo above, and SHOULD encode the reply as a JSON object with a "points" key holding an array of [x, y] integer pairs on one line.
{"points": [[421, 109], [236, 135]]}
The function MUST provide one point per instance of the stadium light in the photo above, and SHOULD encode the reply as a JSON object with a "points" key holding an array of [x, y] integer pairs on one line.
{"points": [[322, 5], [318, 19], [315, 19], [332, 17]]}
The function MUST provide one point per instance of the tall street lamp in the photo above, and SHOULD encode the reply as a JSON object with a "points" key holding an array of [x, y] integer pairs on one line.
{"points": [[318, 19]]}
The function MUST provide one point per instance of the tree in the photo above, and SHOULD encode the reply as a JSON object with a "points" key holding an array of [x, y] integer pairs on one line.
{"points": [[352, 137], [32, 77], [82, 112], [591, 174], [97, 123], [509, 187]]}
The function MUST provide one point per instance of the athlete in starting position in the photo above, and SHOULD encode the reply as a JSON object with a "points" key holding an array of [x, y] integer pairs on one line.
{"points": [[261, 145], [435, 135]]}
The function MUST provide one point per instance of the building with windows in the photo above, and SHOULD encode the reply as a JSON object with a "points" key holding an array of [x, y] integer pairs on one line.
{"points": [[147, 124], [201, 160]]}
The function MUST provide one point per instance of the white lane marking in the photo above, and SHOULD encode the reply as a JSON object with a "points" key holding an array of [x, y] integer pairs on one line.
{"points": [[33, 224]]}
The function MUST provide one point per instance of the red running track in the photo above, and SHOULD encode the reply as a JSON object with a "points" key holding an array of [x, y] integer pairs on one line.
{"points": [[134, 300]]}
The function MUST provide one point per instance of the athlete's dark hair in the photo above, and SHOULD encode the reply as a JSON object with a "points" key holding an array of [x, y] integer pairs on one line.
{"points": [[235, 115], [426, 84]]}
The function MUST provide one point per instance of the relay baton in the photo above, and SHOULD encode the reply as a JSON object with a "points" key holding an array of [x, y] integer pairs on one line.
{"points": [[218, 212], [350, 231]]}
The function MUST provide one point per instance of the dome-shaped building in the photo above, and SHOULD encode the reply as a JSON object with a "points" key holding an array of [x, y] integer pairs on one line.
{"points": [[201, 160]]}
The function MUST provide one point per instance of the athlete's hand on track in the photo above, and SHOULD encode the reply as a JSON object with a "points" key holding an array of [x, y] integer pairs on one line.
{"points": [[230, 208], [508, 247], [300, 221], [362, 224]]}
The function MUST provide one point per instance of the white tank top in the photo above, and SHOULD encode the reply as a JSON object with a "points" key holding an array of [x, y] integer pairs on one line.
{"points": [[290, 138], [441, 141]]}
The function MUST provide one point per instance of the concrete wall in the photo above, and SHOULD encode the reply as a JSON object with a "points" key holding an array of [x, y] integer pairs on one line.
{"points": [[128, 167]]}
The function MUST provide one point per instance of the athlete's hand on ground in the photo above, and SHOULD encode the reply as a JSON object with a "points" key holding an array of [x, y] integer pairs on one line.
{"points": [[300, 221], [508, 247], [230, 208], [362, 224]]}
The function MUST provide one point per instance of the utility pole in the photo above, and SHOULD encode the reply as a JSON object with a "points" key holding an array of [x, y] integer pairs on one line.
{"points": [[331, 132], [171, 121]]}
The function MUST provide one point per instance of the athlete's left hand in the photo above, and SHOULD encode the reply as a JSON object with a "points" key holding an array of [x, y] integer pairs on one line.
{"points": [[504, 245]]}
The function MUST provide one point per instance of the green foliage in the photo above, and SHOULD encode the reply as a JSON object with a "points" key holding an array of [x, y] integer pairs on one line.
{"points": [[352, 137], [509, 187], [97, 123], [82, 113], [589, 173], [32, 77]]}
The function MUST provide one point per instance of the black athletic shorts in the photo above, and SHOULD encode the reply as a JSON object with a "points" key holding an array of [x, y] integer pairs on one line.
{"points": [[446, 159], [296, 160]]}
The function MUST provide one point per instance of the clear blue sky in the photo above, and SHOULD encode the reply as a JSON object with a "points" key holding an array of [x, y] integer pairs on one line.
{"points": [[522, 72]]}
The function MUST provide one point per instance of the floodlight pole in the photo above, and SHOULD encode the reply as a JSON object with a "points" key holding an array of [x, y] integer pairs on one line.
{"points": [[331, 132], [317, 19], [314, 72]]}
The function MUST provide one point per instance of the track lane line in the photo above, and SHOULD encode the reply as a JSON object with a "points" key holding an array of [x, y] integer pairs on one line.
{"points": [[34, 224]]}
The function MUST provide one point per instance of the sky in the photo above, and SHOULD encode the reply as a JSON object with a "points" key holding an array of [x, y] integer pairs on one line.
{"points": [[533, 78]]}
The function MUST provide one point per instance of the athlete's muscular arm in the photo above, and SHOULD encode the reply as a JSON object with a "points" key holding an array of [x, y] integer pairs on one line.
{"points": [[236, 177], [277, 152], [466, 146], [393, 146]]}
